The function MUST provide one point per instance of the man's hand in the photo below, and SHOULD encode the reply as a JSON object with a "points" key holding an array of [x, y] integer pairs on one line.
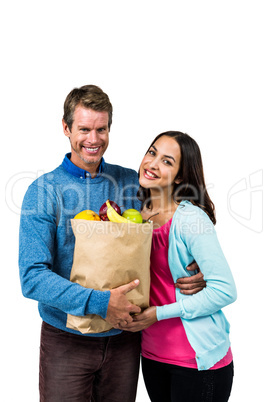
{"points": [[140, 321], [119, 308], [191, 284]]}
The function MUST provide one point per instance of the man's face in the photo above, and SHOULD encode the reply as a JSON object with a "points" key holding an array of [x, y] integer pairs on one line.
{"points": [[89, 137]]}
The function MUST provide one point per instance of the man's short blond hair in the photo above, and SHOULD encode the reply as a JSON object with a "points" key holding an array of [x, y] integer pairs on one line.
{"points": [[88, 96]]}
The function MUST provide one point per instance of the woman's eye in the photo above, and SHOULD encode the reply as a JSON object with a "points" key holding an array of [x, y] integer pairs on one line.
{"points": [[151, 152], [166, 162]]}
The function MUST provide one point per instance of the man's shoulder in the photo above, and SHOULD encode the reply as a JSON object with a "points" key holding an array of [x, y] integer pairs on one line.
{"points": [[47, 183], [49, 177], [121, 171]]}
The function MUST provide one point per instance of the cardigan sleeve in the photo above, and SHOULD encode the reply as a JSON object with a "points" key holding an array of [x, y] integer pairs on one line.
{"points": [[195, 239]]}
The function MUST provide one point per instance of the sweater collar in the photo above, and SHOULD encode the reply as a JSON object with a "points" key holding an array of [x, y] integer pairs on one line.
{"points": [[78, 172]]}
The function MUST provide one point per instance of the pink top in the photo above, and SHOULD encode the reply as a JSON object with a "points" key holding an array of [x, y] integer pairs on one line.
{"points": [[166, 340]]}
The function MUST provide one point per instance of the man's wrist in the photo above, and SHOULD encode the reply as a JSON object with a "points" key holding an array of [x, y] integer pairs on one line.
{"points": [[98, 303]]}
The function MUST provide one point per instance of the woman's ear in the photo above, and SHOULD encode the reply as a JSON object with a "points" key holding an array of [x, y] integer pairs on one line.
{"points": [[178, 180]]}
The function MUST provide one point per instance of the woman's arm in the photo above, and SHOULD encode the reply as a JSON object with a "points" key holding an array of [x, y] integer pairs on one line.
{"points": [[194, 237]]}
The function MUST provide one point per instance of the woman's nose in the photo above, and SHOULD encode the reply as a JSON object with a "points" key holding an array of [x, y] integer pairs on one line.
{"points": [[154, 163]]}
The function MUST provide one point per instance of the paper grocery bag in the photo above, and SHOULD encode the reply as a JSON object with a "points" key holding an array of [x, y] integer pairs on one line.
{"points": [[108, 255]]}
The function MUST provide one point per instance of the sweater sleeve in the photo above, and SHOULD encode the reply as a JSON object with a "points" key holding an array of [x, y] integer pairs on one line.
{"points": [[197, 237], [37, 249]]}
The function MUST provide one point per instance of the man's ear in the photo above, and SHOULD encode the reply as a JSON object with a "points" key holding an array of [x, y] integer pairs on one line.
{"points": [[65, 128]]}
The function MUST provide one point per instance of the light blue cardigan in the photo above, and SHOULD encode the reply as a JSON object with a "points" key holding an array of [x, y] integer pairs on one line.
{"points": [[193, 238]]}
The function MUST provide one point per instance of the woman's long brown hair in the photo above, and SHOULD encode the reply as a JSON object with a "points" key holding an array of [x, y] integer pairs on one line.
{"points": [[192, 182]]}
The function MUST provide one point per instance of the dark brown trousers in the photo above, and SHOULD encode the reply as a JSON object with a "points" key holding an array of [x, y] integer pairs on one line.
{"points": [[80, 368]]}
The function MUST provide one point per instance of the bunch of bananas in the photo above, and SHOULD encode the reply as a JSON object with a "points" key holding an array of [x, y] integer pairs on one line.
{"points": [[113, 215], [130, 215]]}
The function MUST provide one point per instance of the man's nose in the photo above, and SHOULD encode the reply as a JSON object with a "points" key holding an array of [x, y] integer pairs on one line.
{"points": [[93, 136]]}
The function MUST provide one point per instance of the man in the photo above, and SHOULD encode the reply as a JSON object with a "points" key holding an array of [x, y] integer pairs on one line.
{"points": [[73, 366]]}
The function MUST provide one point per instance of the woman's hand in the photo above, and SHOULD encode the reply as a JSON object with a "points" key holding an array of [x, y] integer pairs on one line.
{"points": [[190, 285], [140, 321]]}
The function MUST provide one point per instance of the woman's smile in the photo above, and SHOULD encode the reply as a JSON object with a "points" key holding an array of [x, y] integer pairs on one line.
{"points": [[150, 175]]}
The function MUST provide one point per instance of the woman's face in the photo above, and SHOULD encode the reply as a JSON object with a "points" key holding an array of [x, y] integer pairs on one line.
{"points": [[160, 165]]}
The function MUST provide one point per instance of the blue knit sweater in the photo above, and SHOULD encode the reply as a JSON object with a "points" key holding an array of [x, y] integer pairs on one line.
{"points": [[47, 241]]}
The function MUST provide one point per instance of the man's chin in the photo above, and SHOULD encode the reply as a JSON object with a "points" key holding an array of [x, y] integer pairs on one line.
{"points": [[86, 163], [90, 160]]}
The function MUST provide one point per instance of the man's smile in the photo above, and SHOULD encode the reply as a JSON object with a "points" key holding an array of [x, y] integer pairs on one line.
{"points": [[91, 149]]}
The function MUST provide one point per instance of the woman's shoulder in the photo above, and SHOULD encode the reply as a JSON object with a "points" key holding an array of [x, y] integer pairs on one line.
{"points": [[190, 218], [188, 211]]}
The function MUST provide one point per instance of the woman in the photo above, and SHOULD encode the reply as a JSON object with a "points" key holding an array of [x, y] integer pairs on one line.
{"points": [[186, 354]]}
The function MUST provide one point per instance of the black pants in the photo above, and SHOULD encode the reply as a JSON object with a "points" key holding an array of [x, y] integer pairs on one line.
{"points": [[79, 368], [170, 383]]}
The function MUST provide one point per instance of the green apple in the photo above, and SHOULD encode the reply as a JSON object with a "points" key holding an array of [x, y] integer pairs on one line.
{"points": [[133, 215]]}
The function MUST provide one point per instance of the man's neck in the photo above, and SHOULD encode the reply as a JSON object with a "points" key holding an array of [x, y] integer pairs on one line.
{"points": [[92, 168]]}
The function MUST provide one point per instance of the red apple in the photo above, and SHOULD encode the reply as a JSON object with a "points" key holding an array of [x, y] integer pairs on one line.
{"points": [[103, 210]]}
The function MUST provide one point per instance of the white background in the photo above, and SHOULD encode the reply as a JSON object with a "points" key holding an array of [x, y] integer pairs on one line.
{"points": [[194, 66]]}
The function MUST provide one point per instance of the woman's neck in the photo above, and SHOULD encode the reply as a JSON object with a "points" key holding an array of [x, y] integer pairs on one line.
{"points": [[161, 209], [161, 202]]}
